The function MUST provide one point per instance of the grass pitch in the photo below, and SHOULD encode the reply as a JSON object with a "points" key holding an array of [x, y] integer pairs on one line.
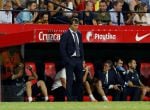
{"points": [[75, 106]]}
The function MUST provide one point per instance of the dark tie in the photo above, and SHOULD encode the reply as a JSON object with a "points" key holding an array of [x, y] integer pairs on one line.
{"points": [[76, 45], [118, 18]]}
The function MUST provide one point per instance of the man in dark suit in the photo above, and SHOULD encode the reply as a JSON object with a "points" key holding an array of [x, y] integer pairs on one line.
{"points": [[108, 81], [119, 70], [72, 53]]}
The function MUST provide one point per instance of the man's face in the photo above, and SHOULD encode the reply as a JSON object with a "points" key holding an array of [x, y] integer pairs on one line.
{"points": [[45, 17], [74, 26], [133, 64], [145, 8], [89, 6], [119, 63], [8, 6], [118, 7], [106, 67], [103, 6], [33, 6]]}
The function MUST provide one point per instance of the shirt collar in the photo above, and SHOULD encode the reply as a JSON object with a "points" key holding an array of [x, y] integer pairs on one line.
{"points": [[72, 31]]}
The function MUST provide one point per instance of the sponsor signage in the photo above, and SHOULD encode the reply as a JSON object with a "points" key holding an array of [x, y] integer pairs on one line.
{"points": [[32, 33], [47, 36], [102, 36]]}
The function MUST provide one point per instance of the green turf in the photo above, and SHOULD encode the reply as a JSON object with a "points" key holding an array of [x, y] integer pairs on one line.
{"points": [[75, 106]]}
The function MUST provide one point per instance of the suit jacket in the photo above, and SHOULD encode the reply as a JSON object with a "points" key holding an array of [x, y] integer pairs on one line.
{"points": [[112, 78], [120, 77], [67, 46]]}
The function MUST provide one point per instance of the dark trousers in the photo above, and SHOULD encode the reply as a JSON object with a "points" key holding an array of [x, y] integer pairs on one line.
{"points": [[114, 93], [59, 94], [133, 92], [74, 67]]}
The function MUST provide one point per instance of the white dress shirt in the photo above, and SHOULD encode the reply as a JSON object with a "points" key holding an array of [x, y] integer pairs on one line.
{"points": [[5, 18], [74, 54], [114, 19], [107, 76]]}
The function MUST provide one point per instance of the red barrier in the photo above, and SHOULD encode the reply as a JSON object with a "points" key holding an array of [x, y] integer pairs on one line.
{"points": [[21, 34]]}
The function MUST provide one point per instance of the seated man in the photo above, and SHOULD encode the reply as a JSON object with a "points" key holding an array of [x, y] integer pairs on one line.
{"points": [[116, 13], [87, 82], [87, 16], [26, 15], [107, 82], [134, 85], [33, 83], [102, 17], [12, 70], [6, 14], [59, 86], [120, 74]]}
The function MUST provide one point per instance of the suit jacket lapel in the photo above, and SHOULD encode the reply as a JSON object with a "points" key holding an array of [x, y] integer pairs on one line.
{"points": [[70, 35]]}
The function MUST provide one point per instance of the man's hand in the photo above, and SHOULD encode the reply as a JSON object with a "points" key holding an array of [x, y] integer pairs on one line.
{"points": [[130, 84], [116, 87], [86, 69]]}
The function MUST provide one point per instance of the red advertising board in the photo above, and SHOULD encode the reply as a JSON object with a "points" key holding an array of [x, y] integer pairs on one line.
{"points": [[21, 34]]}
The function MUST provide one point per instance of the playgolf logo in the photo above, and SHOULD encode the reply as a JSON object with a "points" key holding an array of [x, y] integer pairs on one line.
{"points": [[96, 36], [89, 34]]}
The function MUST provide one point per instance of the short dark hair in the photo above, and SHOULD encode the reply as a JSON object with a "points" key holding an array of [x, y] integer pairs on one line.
{"points": [[131, 60], [30, 3], [109, 62], [75, 20], [103, 1], [115, 3], [117, 59]]}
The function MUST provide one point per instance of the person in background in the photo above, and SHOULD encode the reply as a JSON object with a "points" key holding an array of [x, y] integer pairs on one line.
{"points": [[116, 14], [88, 82], [27, 16], [120, 70], [33, 85], [135, 88], [87, 16], [19, 4], [42, 8], [109, 4], [55, 11], [146, 2], [102, 16], [79, 5], [68, 13], [59, 86], [125, 10], [121, 76], [141, 18], [107, 79], [6, 16], [43, 19], [12, 74], [133, 3]]}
